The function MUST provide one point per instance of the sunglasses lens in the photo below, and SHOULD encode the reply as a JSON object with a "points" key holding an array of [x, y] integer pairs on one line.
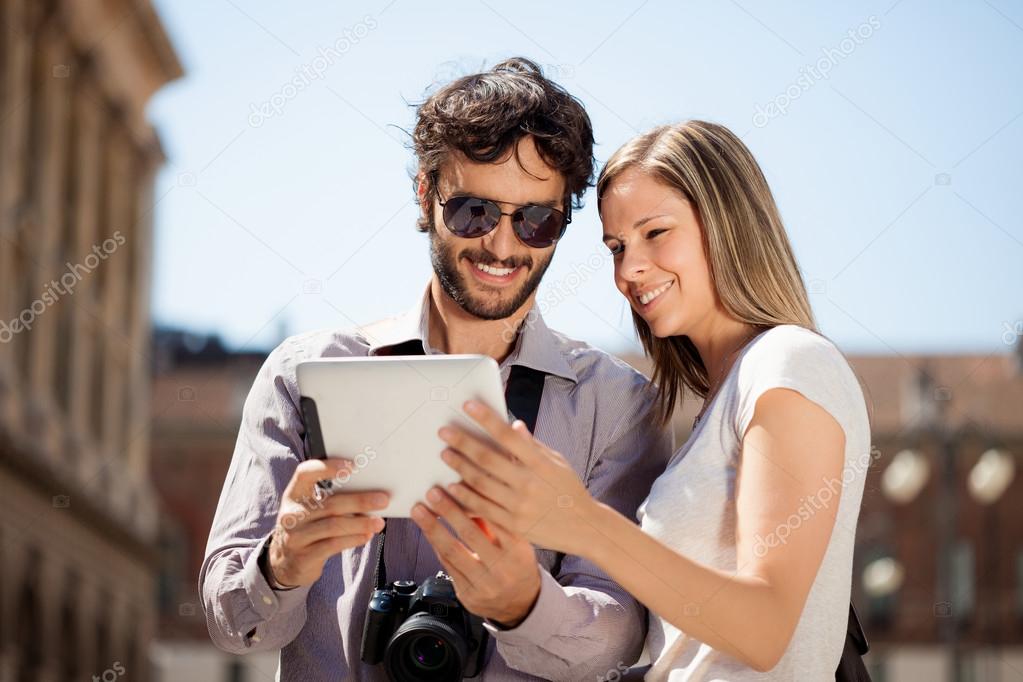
{"points": [[470, 217], [539, 226]]}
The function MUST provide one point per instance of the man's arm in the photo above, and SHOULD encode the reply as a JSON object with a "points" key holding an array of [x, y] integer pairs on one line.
{"points": [[269, 488], [583, 623], [243, 613]]}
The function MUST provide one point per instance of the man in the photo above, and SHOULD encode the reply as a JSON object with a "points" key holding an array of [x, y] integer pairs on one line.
{"points": [[283, 573]]}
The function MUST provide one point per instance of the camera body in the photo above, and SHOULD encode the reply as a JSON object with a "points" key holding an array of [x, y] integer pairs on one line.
{"points": [[422, 632]]}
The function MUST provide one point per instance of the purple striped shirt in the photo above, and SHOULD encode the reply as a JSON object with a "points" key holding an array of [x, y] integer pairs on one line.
{"points": [[595, 411]]}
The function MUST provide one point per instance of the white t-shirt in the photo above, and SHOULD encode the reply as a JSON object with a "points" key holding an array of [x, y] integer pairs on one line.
{"points": [[691, 506]]}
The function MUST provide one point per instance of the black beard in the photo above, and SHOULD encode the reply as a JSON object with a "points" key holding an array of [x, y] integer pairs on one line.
{"points": [[445, 264]]}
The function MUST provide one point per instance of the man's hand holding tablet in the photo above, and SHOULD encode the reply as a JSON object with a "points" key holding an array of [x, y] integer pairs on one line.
{"points": [[312, 527]]}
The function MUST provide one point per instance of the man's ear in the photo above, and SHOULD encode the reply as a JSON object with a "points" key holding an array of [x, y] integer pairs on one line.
{"points": [[422, 186]]}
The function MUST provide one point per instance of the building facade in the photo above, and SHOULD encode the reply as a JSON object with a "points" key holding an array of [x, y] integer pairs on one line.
{"points": [[78, 519]]}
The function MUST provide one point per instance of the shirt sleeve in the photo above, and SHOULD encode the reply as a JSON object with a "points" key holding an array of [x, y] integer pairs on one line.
{"points": [[800, 360], [584, 624], [243, 613]]}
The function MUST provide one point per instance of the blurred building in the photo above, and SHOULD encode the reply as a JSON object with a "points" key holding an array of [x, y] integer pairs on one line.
{"points": [[939, 562], [78, 520], [198, 392]]}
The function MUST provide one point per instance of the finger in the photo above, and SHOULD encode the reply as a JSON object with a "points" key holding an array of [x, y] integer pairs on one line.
{"points": [[520, 444], [468, 532], [502, 536], [486, 529], [450, 551], [310, 471], [332, 526], [478, 479], [494, 463], [324, 549], [462, 583], [356, 503], [477, 504]]}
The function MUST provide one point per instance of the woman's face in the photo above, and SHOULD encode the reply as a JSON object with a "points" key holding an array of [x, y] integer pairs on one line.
{"points": [[655, 236]]}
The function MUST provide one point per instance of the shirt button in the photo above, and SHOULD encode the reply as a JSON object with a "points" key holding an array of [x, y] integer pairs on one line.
{"points": [[267, 600]]}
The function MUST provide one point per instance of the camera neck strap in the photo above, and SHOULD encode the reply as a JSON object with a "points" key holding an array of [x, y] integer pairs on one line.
{"points": [[522, 394]]}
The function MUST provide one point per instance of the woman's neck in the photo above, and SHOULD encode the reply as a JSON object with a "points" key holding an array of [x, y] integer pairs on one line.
{"points": [[719, 343]]}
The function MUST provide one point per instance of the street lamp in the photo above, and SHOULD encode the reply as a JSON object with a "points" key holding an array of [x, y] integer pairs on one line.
{"points": [[883, 577], [991, 476], [905, 477]]}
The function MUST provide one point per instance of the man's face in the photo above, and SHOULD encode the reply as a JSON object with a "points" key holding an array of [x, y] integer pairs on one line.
{"points": [[515, 269]]}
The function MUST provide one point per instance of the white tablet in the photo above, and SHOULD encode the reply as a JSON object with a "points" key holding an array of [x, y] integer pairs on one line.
{"points": [[384, 412]]}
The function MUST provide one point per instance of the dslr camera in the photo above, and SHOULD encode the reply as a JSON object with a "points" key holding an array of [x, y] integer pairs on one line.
{"points": [[422, 633]]}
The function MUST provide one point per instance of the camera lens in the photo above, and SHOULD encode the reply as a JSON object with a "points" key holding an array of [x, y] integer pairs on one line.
{"points": [[428, 653], [425, 649]]}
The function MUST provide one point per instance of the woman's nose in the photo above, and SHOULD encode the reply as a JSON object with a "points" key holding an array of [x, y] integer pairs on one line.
{"points": [[634, 264]]}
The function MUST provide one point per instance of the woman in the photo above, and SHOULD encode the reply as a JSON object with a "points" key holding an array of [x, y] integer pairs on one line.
{"points": [[744, 550]]}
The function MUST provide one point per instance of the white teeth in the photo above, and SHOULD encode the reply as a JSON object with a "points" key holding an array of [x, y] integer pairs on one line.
{"points": [[651, 295], [500, 272]]}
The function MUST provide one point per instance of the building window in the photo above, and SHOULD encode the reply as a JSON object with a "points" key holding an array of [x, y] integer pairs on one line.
{"points": [[103, 638], [964, 584], [29, 637], [96, 396], [69, 651], [1019, 584], [66, 253]]}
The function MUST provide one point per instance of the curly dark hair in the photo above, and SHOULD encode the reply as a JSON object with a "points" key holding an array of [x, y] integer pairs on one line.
{"points": [[483, 115]]}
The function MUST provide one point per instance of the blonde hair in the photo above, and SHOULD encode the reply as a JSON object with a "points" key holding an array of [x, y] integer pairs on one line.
{"points": [[752, 268]]}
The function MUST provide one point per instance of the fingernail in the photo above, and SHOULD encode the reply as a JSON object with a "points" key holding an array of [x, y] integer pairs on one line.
{"points": [[378, 525], [472, 406], [433, 495], [445, 432], [380, 499], [418, 513]]}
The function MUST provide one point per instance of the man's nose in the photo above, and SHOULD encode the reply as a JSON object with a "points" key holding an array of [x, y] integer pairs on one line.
{"points": [[501, 241]]}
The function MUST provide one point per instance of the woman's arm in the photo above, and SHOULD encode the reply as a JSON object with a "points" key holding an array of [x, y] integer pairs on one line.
{"points": [[791, 452]]}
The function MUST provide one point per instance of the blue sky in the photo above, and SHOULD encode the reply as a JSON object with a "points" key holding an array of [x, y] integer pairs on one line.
{"points": [[891, 133]]}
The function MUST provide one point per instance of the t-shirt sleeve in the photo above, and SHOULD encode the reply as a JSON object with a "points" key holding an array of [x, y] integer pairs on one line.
{"points": [[801, 360]]}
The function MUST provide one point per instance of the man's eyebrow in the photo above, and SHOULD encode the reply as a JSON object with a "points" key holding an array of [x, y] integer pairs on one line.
{"points": [[638, 224], [549, 203]]}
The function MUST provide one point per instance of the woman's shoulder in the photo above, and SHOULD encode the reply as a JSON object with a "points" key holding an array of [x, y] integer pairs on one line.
{"points": [[788, 343], [796, 357]]}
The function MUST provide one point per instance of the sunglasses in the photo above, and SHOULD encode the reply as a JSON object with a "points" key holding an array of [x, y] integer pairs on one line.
{"points": [[535, 226]]}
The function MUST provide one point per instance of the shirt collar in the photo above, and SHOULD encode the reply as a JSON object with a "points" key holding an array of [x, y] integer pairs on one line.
{"points": [[535, 345]]}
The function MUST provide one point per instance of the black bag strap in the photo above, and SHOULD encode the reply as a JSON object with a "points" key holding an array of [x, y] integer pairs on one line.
{"points": [[522, 394], [850, 666]]}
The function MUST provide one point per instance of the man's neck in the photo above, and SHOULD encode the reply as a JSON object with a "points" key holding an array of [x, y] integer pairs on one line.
{"points": [[454, 331]]}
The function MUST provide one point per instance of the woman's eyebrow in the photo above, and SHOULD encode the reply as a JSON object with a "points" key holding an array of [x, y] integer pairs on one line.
{"points": [[639, 223], [643, 221]]}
